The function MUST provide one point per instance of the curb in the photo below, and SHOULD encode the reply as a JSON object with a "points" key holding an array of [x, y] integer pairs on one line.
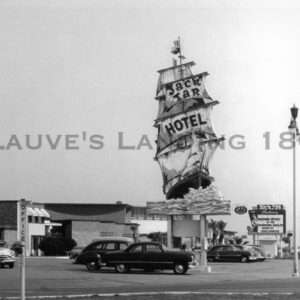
{"points": [[167, 295]]}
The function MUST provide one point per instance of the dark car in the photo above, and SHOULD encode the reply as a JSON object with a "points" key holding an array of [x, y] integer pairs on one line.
{"points": [[150, 256], [232, 253], [91, 255]]}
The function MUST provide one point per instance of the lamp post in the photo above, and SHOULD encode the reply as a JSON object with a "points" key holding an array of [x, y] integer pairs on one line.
{"points": [[294, 131]]}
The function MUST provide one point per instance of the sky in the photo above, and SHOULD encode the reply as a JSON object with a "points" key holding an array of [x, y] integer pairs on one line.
{"points": [[72, 71]]}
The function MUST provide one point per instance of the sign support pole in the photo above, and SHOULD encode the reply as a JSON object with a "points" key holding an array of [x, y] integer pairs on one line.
{"points": [[203, 264], [23, 235]]}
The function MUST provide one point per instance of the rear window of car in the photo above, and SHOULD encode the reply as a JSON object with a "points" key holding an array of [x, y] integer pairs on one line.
{"points": [[109, 246], [137, 248], [123, 246], [153, 248]]}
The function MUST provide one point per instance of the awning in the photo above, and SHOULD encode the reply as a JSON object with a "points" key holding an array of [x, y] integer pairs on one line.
{"points": [[46, 214], [31, 212], [49, 223], [37, 212]]}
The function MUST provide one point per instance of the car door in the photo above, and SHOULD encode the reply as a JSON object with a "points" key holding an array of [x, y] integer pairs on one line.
{"points": [[214, 253], [132, 257], [155, 257], [90, 253], [225, 253]]}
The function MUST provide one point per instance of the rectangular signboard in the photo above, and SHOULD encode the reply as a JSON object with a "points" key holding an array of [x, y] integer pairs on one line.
{"points": [[268, 220]]}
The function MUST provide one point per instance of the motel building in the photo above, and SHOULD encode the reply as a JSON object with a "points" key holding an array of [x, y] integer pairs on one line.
{"points": [[85, 222], [81, 222]]}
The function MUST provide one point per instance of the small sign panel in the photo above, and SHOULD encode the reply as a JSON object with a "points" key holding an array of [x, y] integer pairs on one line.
{"points": [[240, 210]]}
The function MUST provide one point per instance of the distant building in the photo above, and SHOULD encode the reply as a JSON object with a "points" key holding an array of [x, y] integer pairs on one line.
{"points": [[85, 222], [82, 222]]}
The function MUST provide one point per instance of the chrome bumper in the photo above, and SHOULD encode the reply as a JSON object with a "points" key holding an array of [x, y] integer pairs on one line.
{"points": [[4, 260], [192, 264]]}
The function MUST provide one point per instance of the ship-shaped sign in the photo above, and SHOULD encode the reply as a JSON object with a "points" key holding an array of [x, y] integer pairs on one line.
{"points": [[186, 140]]}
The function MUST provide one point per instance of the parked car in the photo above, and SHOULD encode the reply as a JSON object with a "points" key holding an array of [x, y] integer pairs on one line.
{"points": [[232, 253], [263, 253], [92, 253], [74, 253], [7, 256], [149, 256]]}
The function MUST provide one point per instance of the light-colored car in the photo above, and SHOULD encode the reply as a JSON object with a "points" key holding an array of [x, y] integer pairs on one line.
{"points": [[74, 253], [7, 256]]}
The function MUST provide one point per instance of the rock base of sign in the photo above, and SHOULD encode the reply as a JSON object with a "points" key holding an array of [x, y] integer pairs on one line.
{"points": [[208, 201], [204, 269]]}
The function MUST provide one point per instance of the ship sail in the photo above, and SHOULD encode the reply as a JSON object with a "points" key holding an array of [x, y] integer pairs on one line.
{"points": [[186, 139]]}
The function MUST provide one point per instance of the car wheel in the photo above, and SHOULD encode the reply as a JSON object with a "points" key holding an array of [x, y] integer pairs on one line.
{"points": [[244, 259], [211, 259], [11, 265], [180, 268], [121, 268], [93, 265]]}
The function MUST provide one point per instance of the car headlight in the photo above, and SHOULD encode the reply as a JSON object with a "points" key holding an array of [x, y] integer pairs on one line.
{"points": [[12, 253]]}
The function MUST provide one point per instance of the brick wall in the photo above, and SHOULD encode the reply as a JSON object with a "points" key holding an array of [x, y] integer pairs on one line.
{"points": [[8, 214], [10, 236]]}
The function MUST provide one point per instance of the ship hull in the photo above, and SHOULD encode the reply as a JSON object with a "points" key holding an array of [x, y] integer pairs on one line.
{"points": [[194, 180]]}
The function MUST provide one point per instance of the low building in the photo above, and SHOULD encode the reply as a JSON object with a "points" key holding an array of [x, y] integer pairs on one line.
{"points": [[85, 222], [38, 224], [81, 222]]}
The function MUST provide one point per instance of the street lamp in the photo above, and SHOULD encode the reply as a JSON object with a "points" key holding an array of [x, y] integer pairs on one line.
{"points": [[293, 129]]}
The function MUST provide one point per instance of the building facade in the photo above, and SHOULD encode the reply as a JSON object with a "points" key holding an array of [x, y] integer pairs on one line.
{"points": [[81, 222], [85, 222]]}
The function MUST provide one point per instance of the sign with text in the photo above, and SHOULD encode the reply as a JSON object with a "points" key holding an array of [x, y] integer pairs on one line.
{"points": [[23, 221], [190, 87], [268, 219]]}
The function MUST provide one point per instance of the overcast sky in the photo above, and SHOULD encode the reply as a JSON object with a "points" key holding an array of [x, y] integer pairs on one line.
{"points": [[89, 68]]}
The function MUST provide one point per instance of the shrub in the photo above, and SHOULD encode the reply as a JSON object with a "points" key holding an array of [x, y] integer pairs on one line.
{"points": [[17, 247], [56, 246]]}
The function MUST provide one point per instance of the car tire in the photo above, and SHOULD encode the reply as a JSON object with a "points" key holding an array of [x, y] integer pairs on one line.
{"points": [[244, 259], [11, 265], [180, 268], [93, 265], [121, 268]]}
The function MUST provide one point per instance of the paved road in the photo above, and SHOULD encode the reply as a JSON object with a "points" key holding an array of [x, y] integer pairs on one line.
{"points": [[58, 276]]}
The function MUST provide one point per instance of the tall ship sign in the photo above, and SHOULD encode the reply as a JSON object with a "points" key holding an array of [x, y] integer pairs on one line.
{"points": [[186, 141]]}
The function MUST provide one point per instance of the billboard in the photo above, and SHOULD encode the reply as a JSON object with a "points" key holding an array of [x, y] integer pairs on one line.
{"points": [[268, 219]]}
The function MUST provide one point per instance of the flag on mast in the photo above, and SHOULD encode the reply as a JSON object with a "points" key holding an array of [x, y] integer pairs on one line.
{"points": [[176, 47]]}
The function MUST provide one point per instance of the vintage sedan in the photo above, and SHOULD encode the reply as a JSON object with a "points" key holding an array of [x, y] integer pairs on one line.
{"points": [[7, 256], [232, 253], [149, 256], [92, 253]]}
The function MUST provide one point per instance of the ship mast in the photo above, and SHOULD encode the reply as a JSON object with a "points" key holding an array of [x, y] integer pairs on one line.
{"points": [[176, 49]]}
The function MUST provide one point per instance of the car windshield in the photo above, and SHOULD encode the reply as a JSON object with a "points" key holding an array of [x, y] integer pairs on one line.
{"points": [[3, 245]]}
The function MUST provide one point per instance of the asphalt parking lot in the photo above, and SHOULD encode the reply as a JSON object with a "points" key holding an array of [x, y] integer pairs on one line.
{"points": [[46, 276]]}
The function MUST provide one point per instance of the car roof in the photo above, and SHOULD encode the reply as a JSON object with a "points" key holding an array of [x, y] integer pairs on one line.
{"points": [[113, 239], [146, 243]]}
